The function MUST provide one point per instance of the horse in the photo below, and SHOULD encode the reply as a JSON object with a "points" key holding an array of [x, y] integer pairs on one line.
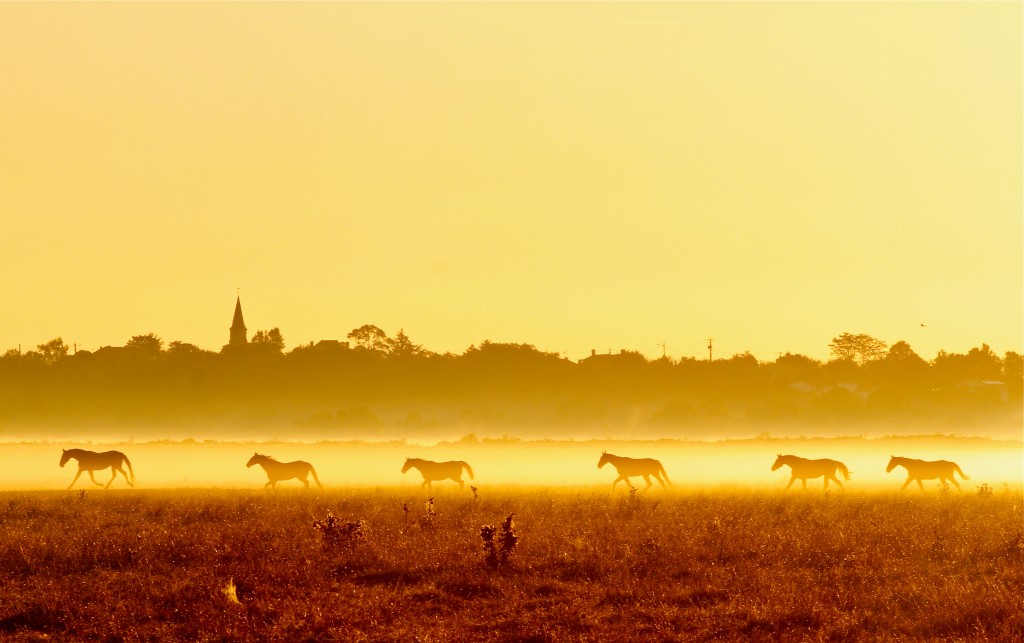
{"points": [[803, 469], [432, 471], [277, 471], [926, 470], [90, 461], [630, 467]]}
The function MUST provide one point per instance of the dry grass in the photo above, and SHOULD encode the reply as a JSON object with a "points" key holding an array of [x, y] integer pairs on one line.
{"points": [[588, 565]]}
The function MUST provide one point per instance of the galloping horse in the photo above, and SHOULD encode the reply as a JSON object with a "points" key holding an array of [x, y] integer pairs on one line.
{"points": [[630, 467], [924, 470], [803, 468], [431, 471], [90, 461], [277, 471]]}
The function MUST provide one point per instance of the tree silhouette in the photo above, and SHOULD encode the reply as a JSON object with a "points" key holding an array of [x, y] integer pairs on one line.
{"points": [[53, 351], [1013, 367], [369, 337], [148, 344], [797, 361], [402, 346], [902, 353], [393, 384], [984, 363], [183, 348], [857, 348], [272, 338]]}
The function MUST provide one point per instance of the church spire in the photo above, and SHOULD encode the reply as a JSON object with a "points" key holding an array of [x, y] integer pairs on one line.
{"points": [[238, 325]]}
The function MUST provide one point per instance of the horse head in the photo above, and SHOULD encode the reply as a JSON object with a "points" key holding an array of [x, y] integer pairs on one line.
{"points": [[64, 457], [892, 463], [778, 462], [604, 459], [408, 465], [255, 459]]}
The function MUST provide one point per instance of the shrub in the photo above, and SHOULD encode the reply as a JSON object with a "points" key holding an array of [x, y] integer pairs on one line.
{"points": [[338, 532], [496, 552]]}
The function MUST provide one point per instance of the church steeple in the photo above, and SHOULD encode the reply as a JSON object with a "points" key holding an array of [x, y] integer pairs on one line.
{"points": [[238, 326]]}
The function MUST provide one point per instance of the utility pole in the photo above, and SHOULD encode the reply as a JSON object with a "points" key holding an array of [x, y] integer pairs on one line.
{"points": [[662, 349], [710, 358]]}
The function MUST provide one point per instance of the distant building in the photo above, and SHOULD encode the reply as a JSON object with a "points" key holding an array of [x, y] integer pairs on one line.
{"points": [[237, 329], [596, 357]]}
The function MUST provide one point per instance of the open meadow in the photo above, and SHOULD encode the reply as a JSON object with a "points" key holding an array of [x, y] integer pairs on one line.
{"points": [[579, 563]]}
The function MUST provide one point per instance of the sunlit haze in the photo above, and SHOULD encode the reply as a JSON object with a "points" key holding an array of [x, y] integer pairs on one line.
{"points": [[690, 466], [575, 176]]}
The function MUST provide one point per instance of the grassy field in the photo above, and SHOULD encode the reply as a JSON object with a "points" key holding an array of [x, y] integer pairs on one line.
{"points": [[586, 564]]}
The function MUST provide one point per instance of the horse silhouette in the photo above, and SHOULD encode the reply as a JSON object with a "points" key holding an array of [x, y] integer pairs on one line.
{"points": [[631, 467], [926, 470], [803, 469], [278, 471], [432, 471], [90, 461]]}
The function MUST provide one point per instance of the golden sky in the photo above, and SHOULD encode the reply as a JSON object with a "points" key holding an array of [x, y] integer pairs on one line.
{"points": [[571, 175]]}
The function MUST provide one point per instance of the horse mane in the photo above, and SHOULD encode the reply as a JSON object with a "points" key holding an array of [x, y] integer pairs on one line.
{"points": [[266, 457]]}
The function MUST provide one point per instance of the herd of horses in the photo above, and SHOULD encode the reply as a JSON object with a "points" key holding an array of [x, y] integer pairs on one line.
{"points": [[801, 469]]}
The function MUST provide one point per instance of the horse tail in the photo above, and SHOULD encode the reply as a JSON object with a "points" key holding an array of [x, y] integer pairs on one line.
{"points": [[663, 472], [470, 469], [956, 467], [842, 467], [128, 462], [316, 479]]}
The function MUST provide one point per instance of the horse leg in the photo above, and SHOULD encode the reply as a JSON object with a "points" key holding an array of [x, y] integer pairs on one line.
{"points": [[623, 478], [920, 485], [305, 482], [426, 483], [647, 479], [791, 481], [93, 478], [955, 483], [909, 480], [462, 485], [269, 482], [804, 481], [657, 476], [836, 479], [76, 479], [126, 478]]}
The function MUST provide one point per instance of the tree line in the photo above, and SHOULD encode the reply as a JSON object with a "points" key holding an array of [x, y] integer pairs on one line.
{"points": [[376, 385]]}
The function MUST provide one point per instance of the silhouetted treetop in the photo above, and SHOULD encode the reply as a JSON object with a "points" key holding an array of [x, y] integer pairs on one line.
{"points": [[369, 337], [902, 353], [148, 344], [857, 348], [402, 346], [499, 351], [797, 361], [184, 348], [52, 351], [271, 338]]}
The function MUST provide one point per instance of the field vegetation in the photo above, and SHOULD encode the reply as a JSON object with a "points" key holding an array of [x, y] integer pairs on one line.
{"points": [[512, 563]]}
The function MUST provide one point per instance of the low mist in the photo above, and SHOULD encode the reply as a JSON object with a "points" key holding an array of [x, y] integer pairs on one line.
{"points": [[510, 461]]}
